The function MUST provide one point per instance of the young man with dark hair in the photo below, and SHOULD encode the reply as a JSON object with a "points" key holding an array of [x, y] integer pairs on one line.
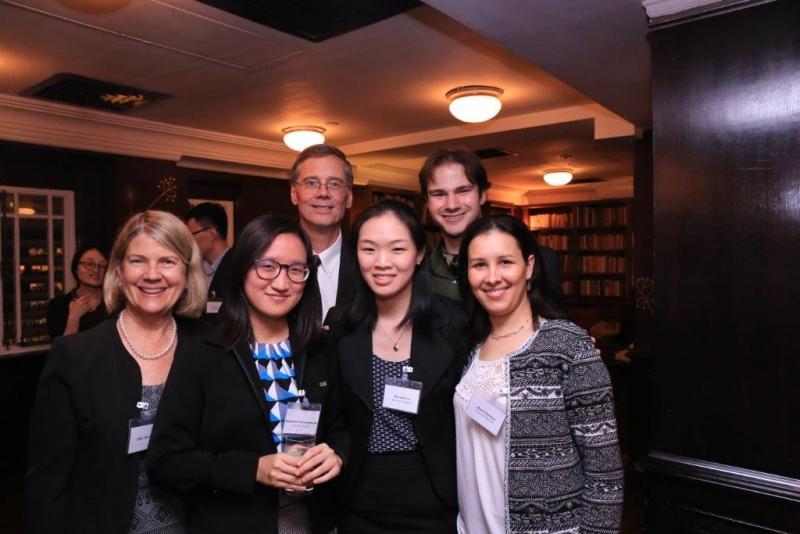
{"points": [[321, 188], [454, 183], [208, 224]]}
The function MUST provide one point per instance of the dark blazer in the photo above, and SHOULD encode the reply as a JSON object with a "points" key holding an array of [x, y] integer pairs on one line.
{"points": [[79, 476], [218, 289], [348, 271], [58, 312], [438, 359], [212, 428]]}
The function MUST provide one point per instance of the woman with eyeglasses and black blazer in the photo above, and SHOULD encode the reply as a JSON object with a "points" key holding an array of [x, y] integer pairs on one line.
{"points": [[219, 436]]}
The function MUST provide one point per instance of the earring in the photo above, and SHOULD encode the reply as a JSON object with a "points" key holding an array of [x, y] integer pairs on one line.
{"points": [[528, 285]]}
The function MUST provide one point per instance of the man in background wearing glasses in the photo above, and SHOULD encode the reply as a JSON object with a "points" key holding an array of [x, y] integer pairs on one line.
{"points": [[322, 189], [208, 224]]}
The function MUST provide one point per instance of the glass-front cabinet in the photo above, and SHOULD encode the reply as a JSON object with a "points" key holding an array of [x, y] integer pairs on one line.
{"points": [[37, 241]]}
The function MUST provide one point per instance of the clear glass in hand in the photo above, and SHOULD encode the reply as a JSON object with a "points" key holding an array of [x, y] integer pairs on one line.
{"points": [[297, 446]]}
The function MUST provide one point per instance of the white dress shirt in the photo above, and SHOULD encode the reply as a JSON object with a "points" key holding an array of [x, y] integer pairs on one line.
{"points": [[328, 274]]}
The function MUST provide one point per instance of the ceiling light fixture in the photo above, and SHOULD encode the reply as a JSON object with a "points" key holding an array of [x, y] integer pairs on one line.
{"points": [[558, 177], [562, 176], [475, 103], [301, 137]]}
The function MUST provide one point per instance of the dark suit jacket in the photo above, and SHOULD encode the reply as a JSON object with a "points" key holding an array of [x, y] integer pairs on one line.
{"points": [[438, 360], [212, 428], [348, 271], [218, 288], [79, 476]]}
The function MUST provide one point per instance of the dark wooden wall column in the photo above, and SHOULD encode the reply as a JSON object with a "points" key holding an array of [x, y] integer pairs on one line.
{"points": [[726, 128]]}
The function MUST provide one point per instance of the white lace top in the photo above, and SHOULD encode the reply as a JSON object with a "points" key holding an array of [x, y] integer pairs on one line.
{"points": [[481, 456]]}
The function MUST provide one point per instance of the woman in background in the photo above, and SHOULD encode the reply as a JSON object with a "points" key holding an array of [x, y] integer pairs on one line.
{"points": [[100, 389], [219, 436], [546, 457], [400, 473], [81, 308]]}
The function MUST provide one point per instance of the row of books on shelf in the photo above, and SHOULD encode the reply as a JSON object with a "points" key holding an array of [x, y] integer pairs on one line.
{"points": [[554, 241], [601, 241], [594, 288], [603, 264], [583, 216], [538, 221], [602, 216]]}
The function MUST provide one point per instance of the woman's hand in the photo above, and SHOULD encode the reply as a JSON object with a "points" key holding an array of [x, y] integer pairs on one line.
{"points": [[319, 464], [278, 470], [80, 306]]}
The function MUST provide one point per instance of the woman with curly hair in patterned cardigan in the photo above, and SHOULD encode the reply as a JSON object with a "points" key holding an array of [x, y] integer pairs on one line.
{"points": [[537, 447]]}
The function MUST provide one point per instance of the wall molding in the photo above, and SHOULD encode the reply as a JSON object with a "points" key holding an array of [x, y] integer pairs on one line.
{"points": [[732, 477], [39, 122]]}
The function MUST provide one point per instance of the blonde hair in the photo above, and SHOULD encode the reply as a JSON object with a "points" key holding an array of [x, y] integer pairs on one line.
{"points": [[171, 232]]}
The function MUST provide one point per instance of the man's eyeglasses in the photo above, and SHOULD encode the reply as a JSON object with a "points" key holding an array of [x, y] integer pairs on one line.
{"points": [[335, 185], [93, 265], [200, 230], [270, 269]]}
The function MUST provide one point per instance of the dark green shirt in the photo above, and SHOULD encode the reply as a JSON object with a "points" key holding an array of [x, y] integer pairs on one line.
{"points": [[444, 274]]}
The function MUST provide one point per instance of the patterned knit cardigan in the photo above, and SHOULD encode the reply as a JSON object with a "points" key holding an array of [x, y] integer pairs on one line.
{"points": [[563, 467]]}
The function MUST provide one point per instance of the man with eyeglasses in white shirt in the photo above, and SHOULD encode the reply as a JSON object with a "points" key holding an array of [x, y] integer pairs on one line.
{"points": [[322, 189]]}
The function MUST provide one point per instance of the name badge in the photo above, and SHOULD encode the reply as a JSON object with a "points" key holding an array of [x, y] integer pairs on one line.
{"points": [[402, 395], [301, 419], [213, 306], [485, 413], [140, 428]]}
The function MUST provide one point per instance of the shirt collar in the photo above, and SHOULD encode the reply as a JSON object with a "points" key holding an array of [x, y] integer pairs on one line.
{"points": [[330, 257], [211, 268]]}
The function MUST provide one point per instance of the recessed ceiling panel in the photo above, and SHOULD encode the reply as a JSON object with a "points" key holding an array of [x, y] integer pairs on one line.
{"points": [[314, 20]]}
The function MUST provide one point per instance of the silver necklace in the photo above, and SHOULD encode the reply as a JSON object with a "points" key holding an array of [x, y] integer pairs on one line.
{"points": [[515, 332], [121, 328], [395, 342]]}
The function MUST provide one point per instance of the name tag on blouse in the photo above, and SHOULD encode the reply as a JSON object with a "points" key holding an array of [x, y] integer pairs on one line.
{"points": [[139, 429], [401, 394], [485, 413]]}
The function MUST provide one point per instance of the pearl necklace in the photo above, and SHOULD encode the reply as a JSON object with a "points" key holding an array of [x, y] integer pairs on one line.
{"points": [[127, 339], [504, 336]]}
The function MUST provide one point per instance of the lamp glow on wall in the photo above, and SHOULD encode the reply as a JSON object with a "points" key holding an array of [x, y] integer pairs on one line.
{"points": [[301, 137], [475, 103]]}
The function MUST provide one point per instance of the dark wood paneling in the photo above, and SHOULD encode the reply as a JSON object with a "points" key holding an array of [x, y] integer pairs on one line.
{"points": [[727, 252], [727, 236]]}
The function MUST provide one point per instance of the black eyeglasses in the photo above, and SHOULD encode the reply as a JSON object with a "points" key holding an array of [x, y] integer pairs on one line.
{"points": [[93, 265], [200, 230], [270, 269]]}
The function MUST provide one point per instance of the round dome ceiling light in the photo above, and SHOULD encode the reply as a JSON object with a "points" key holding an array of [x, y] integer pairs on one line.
{"points": [[475, 103], [301, 137], [558, 177]]}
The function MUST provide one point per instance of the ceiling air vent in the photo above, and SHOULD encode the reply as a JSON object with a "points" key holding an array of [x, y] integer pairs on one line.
{"points": [[489, 153], [313, 20], [88, 92]]}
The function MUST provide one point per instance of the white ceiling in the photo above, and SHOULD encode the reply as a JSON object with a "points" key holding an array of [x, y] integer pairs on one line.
{"points": [[379, 90]]}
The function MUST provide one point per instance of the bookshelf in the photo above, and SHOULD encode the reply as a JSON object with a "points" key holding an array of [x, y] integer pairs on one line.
{"points": [[593, 241]]}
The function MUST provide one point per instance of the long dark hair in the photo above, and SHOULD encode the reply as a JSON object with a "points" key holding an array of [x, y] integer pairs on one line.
{"points": [[543, 302], [363, 305], [304, 320]]}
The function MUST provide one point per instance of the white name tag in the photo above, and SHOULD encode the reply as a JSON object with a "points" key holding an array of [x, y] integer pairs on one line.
{"points": [[301, 420], [139, 438], [213, 306], [485, 414], [402, 395]]}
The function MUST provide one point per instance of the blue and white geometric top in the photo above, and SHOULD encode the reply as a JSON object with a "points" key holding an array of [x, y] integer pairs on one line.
{"points": [[275, 368]]}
